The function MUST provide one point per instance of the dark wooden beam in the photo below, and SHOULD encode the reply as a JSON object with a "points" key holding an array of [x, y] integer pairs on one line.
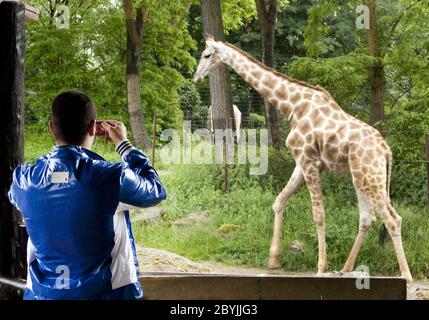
{"points": [[12, 47], [194, 286]]}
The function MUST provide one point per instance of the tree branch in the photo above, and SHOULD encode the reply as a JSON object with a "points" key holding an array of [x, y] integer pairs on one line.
{"points": [[46, 8], [396, 22], [396, 99], [130, 22]]}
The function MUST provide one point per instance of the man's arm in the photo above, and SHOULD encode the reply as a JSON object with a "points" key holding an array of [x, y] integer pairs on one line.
{"points": [[140, 184]]}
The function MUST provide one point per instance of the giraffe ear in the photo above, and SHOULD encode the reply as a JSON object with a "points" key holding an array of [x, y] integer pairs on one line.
{"points": [[208, 37], [217, 46]]}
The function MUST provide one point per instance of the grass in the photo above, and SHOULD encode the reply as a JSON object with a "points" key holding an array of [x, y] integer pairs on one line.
{"points": [[248, 206]]}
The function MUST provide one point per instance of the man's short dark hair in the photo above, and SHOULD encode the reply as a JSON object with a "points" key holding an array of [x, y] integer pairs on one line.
{"points": [[71, 115]]}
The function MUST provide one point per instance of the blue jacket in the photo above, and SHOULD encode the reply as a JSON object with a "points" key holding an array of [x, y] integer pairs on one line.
{"points": [[80, 246]]}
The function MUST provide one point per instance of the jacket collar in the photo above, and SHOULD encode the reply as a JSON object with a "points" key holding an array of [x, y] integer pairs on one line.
{"points": [[76, 150]]}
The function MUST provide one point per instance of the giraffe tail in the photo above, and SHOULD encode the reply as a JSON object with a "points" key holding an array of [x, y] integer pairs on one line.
{"points": [[382, 235]]}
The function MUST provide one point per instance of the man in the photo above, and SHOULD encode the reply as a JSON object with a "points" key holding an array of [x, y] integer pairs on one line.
{"points": [[80, 246]]}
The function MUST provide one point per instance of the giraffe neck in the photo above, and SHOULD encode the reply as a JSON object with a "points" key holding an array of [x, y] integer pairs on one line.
{"points": [[278, 90]]}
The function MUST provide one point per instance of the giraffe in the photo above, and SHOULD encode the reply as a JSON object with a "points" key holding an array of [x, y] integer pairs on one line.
{"points": [[322, 137], [237, 120]]}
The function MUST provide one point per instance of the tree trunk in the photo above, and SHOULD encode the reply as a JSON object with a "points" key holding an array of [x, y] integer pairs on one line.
{"points": [[135, 29], [220, 87], [267, 14], [376, 72], [376, 80], [135, 114]]}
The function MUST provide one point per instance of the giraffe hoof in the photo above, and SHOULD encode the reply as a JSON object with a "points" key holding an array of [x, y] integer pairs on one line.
{"points": [[346, 270], [322, 269], [273, 264]]}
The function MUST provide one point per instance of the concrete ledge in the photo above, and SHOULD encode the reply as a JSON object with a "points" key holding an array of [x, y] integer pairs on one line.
{"points": [[188, 286], [11, 289]]}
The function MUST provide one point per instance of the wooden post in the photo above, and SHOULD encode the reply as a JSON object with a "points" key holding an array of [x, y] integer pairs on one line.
{"points": [[153, 139], [12, 47], [427, 164], [226, 187]]}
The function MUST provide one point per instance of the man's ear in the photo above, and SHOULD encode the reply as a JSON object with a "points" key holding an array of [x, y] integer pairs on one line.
{"points": [[92, 128], [51, 128]]}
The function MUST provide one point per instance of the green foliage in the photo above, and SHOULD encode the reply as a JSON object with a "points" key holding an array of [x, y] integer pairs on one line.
{"points": [[90, 56], [57, 59], [347, 70], [236, 13], [315, 42], [256, 121], [290, 26], [192, 105], [405, 135]]}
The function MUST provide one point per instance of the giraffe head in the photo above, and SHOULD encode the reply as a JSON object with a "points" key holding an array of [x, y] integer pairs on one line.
{"points": [[210, 59]]}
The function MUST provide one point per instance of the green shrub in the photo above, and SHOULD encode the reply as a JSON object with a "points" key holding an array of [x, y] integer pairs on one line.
{"points": [[405, 135]]}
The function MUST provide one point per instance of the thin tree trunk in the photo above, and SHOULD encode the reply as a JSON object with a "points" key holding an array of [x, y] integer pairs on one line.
{"points": [[220, 87], [135, 114], [267, 14], [376, 80], [375, 72], [135, 30]]}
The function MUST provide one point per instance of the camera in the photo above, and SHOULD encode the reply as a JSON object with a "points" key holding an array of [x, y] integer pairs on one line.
{"points": [[99, 130]]}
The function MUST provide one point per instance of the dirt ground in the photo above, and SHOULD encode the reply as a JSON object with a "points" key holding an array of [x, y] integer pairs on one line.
{"points": [[154, 260]]}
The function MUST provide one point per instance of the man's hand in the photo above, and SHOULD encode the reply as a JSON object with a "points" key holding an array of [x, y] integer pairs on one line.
{"points": [[116, 130]]}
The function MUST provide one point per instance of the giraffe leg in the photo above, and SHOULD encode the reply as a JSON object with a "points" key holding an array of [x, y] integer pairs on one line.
{"points": [[393, 223], [294, 183], [366, 220], [312, 178]]}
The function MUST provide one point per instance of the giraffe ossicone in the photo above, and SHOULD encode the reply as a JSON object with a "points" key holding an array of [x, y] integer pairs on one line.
{"points": [[323, 137]]}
